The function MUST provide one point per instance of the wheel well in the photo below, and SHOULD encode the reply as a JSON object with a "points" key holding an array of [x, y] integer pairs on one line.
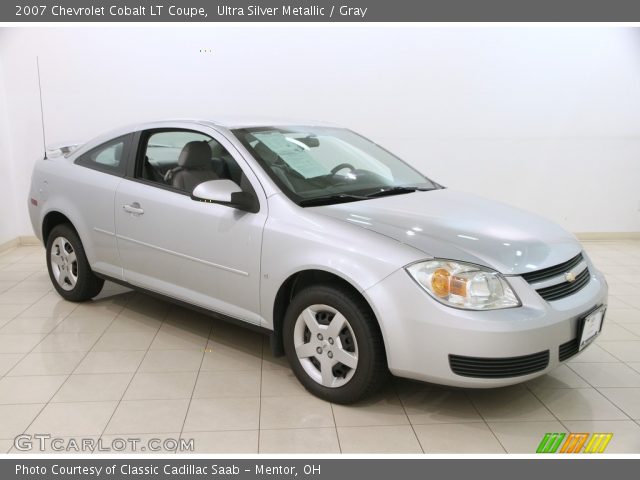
{"points": [[51, 220], [288, 290]]}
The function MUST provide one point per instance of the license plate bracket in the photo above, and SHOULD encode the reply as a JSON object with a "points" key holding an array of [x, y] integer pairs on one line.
{"points": [[591, 326]]}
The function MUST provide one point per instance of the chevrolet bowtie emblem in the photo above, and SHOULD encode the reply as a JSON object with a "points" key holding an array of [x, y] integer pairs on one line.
{"points": [[570, 277]]}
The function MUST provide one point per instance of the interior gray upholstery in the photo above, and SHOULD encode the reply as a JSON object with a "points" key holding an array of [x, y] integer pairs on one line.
{"points": [[195, 166]]}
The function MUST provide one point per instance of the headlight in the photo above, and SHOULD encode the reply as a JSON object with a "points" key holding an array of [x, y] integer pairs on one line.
{"points": [[463, 285]]}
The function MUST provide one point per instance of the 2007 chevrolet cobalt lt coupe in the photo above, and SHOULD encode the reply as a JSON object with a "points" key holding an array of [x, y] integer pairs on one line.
{"points": [[355, 263]]}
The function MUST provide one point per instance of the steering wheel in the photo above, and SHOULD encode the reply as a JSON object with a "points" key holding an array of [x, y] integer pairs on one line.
{"points": [[339, 167]]}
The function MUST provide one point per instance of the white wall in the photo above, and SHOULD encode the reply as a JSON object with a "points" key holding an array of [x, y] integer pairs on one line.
{"points": [[544, 118], [9, 218]]}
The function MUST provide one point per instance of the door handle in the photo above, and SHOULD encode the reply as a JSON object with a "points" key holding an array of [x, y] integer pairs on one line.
{"points": [[134, 208]]}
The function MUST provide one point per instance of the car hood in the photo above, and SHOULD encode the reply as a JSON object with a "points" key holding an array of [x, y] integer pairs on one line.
{"points": [[460, 226]]}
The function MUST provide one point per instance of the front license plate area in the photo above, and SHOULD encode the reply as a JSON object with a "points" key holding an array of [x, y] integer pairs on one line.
{"points": [[591, 327]]}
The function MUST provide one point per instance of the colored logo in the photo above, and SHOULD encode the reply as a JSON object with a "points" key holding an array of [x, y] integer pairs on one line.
{"points": [[574, 443], [570, 277]]}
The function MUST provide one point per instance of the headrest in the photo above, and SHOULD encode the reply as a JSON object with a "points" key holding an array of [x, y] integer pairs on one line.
{"points": [[195, 154]]}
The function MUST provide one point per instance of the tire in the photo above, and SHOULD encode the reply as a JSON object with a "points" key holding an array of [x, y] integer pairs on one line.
{"points": [[314, 350], [68, 267]]}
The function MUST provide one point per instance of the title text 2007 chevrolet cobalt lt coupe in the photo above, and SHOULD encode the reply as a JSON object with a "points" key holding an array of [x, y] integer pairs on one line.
{"points": [[355, 263]]}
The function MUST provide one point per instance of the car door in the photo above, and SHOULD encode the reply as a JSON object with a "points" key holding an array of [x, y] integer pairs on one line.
{"points": [[206, 254]]}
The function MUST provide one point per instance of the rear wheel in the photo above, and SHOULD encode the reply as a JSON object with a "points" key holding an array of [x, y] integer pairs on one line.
{"points": [[332, 341], [68, 267]]}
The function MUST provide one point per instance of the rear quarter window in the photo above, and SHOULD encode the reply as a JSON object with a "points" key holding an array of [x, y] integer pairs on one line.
{"points": [[110, 157]]}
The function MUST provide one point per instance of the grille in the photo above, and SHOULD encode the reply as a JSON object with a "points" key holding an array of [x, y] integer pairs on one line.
{"points": [[564, 289], [550, 272], [568, 349], [480, 367]]}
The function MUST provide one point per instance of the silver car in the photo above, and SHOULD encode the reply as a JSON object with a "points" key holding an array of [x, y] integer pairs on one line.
{"points": [[352, 261]]}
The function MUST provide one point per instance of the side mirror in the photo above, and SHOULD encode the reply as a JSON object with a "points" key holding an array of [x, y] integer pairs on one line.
{"points": [[225, 192]]}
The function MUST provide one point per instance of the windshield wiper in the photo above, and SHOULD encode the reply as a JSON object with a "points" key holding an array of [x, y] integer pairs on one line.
{"points": [[396, 191], [330, 199]]}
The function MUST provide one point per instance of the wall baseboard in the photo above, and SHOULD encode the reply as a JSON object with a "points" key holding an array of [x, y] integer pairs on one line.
{"points": [[26, 240]]}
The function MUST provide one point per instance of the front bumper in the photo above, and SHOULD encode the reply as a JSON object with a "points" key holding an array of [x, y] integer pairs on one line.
{"points": [[420, 334]]}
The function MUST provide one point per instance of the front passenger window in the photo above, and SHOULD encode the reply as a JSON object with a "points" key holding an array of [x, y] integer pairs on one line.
{"points": [[183, 159]]}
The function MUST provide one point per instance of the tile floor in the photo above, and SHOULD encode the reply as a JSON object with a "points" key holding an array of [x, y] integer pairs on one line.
{"points": [[127, 365]]}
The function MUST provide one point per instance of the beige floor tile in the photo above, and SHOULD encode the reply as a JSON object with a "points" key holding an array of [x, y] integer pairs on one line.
{"points": [[8, 361], [594, 354], [633, 328], [7, 275], [220, 358], [509, 404], [295, 412], [32, 389], [11, 311], [172, 361], [299, 440], [83, 324], [579, 404], [457, 438], [632, 300], [607, 374], [25, 298], [228, 384], [616, 303], [244, 441], [626, 351], [234, 335], [627, 399], [124, 341], [269, 362], [46, 307], [614, 332], [626, 434], [280, 382], [111, 362], [379, 439], [148, 416], [178, 339], [30, 325], [561, 377], [161, 386], [524, 437], [20, 342], [68, 419], [439, 405], [5, 445], [140, 443], [624, 316], [129, 321], [14, 419], [381, 409], [67, 342], [93, 388], [213, 414], [47, 363]]}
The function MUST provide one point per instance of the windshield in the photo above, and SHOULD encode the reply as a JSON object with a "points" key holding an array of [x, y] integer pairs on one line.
{"points": [[312, 164]]}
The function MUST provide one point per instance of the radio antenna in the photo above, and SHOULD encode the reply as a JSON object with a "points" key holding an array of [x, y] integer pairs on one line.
{"points": [[44, 138]]}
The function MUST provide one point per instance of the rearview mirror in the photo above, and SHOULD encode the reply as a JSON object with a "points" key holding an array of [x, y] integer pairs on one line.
{"points": [[225, 192]]}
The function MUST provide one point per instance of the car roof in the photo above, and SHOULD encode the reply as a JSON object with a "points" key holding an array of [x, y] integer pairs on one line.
{"points": [[231, 122]]}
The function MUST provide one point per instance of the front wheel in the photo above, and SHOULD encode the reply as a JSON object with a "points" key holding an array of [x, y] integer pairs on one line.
{"points": [[333, 344], [68, 267]]}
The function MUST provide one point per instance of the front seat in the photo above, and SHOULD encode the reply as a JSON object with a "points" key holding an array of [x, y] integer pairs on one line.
{"points": [[194, 166]]}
